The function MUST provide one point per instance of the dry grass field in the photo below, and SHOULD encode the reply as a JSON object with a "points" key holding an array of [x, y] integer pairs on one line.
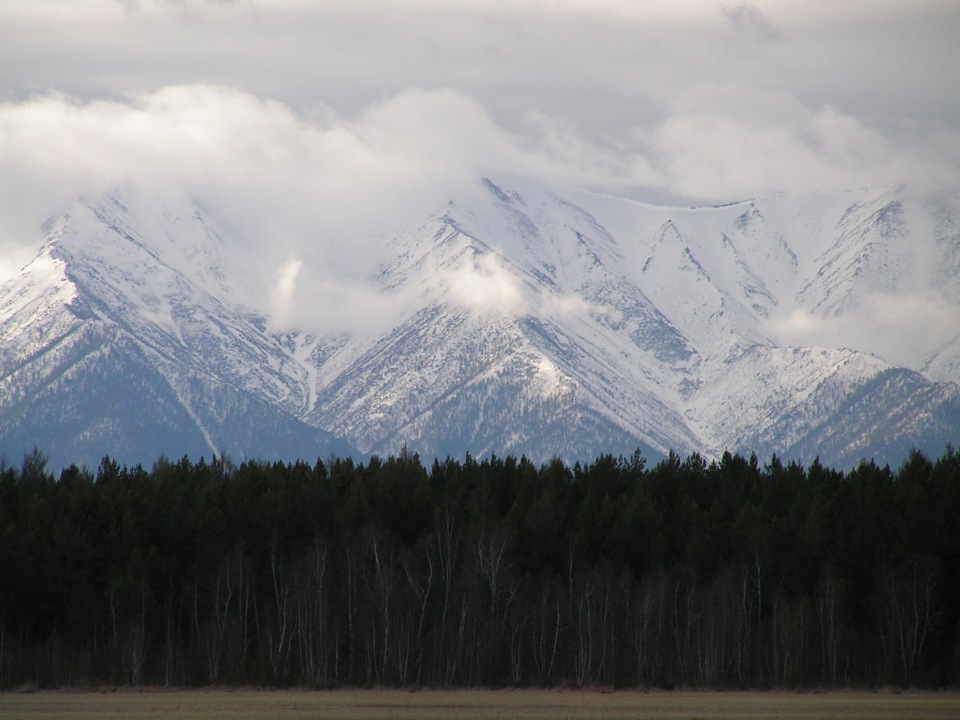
{"points": [[472, 705]]}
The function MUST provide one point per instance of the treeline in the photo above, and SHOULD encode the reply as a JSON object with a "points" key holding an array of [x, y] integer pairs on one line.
{"points": [[492, 572]]}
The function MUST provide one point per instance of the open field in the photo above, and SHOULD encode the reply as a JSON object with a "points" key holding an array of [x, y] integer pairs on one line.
{"points": [[468, 704]]}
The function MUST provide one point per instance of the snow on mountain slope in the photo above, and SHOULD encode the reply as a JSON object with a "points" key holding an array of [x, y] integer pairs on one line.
{"points": [[171, 294], [942, 363], [29, 310], [867, 253], [528, 328], [778, 392], [664, 322], [524, 319], [892, 412], [114, 343]]}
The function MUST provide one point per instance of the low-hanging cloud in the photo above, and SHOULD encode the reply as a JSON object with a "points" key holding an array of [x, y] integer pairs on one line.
{"points": [[722, 142], [328, 190], [321, 189], [902, 328], [282, 291], [308, 201], [484, 286]]}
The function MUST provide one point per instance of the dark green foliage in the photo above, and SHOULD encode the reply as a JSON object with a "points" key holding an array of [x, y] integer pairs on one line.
{"points": [[492, 572]]}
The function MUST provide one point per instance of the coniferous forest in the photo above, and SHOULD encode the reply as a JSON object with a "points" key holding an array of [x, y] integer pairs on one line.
{"points": [[493, 572]]}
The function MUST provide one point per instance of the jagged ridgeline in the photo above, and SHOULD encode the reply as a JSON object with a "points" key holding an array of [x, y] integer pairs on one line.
{"points": [[493, 572], [521, 319]]}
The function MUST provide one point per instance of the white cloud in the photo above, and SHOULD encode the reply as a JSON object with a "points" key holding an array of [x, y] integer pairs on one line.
{"points": [[901, 328], [282, 293], [345, 306], [321, 187], [308, 199], [484, 286], [315, 129], [723, 142]]}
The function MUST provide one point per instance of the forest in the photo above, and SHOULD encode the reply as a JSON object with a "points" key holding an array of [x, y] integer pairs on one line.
{"points": [[490, 572]]}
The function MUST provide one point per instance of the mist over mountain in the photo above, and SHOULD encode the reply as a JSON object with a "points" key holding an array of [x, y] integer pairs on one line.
{"points": [[519, 318]]}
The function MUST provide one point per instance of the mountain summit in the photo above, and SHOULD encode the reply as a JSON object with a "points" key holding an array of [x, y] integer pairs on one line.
{"points": [[526, 320]]}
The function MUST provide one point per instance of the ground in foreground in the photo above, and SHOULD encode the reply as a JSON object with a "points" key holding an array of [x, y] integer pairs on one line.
{"points": [[473, 705]]}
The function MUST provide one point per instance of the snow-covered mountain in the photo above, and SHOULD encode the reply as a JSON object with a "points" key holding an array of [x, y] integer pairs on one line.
{"points": [[118, 340], [527, 319]]}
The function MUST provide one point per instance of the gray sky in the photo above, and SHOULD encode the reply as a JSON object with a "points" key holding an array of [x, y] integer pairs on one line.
{"points": [[296, 117]]}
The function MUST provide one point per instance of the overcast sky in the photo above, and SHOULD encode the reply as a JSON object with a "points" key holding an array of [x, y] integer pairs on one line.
{"points": [[296, 117]]}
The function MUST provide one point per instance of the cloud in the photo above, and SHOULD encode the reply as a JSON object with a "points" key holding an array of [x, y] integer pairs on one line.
{"points": [[309, 200], [346, 306], [750, 18], [327, 188], [601, 65], [901, 328], [313, 130], [722, 142], [282, 293], [484, 286]]}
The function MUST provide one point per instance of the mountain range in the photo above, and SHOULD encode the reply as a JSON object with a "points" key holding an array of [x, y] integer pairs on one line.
{"points": [[524, 319]]}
